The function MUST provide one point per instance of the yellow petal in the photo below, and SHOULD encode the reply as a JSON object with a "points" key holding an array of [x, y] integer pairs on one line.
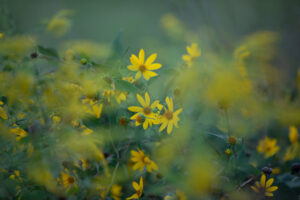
{"points": [[254, 188], [147, 99], [133, 67], [135, 185], [135, 109], [154, 66], [148, 74], [134, 60], [134, 196], [151, 59], [145, 124], [263, 180], [269, 182], [163, 126], [142, 56], [269, 194], [170, 127], [272, 189], [141, 100]]}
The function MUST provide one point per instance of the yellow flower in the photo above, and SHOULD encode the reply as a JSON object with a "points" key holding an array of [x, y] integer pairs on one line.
{"points": [[116, 191], [138, 188], [16, 176], [142, 161], [264, 187], [228, 152], [193, 53], [144, 67], [19, 132], [293, 150], [67, 180], [129, 79], [146, 111], [293, 135], [2, 111], [1, 35], [86, 130], [169, 118], [56, 119], [94, 108], [268, 147], [60, 24]]}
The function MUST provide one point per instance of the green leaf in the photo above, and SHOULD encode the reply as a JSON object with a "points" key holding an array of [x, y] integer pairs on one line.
{"points": [[125, 86], [48, 51]]}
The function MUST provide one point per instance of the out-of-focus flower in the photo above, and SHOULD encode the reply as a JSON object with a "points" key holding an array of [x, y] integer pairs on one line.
{"points": [[67, 180], [130, 79], [232, 140], [170, 117], [56, 119], [264, 187], [3, 114], [86, 130], [142, 161], [97, 109], [178, 196], [293, 135], [19, 132], [116, 191], [1, 35], [293, 150], [193, 53], [228, 152], [268, 147], [144, 67], [146, 110], [60, 24], [16, 176], [119, 96], [138, 188], [17, 46]]}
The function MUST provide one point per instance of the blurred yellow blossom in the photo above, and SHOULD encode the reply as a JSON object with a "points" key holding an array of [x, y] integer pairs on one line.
{"points": [[193, 53], [60, 24], [116, 191], [138, 188], [20, 133], [3, 114], [142, 161], [268, 147]]}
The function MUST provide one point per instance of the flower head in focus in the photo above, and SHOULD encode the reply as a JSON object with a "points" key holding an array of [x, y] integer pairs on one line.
{"points": [[144, 67], [264, 186], [170, 117], [147, 110]]}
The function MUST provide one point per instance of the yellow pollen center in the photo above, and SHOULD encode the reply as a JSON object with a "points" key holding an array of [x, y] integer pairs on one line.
{"points": [[142, 68], [169, 115]]}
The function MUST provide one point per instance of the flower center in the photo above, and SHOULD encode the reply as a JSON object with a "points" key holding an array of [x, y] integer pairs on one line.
{"points": [[142, 68], [169, 115], [71, 180], [147, 110]]}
